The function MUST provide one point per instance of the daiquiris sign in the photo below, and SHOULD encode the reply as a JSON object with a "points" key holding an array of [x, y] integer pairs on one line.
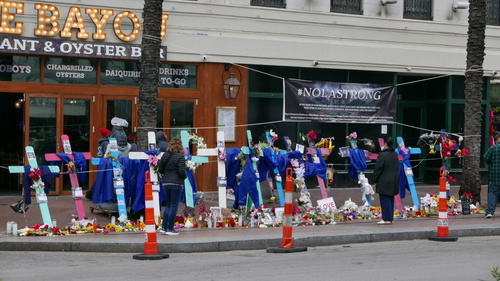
{"points": [[53, 32], [331, 102]]}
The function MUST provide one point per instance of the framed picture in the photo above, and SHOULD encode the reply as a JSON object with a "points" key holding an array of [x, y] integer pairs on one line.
{"points": [[226, 121]]}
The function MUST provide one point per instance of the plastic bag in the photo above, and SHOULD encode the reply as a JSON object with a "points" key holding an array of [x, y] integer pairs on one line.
{"points": [[20, 206]]}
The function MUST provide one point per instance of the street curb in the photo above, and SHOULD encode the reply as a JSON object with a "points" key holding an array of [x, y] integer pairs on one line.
{"points": [[330, 239]]}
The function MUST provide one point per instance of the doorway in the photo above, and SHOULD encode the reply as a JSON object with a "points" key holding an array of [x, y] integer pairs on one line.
{"points": [[49, 117], [411, 114], [11, 141]]}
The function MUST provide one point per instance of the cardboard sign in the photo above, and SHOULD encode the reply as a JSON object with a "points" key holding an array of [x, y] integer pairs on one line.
{"points": [[326, 203]]}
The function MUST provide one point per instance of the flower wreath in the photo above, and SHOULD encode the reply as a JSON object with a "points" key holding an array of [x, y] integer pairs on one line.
{"points": [[197, 140], [200, 144]]}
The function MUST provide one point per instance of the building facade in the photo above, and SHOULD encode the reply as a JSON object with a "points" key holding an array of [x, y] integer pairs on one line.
{"points": [[68, 67]]}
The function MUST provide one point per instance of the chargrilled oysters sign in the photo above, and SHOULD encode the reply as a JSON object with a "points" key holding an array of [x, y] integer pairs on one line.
{"points": [[331, 102], [53, 32]]}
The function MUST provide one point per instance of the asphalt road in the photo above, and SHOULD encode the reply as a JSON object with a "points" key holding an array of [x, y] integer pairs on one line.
{"points": [[469, 258]]}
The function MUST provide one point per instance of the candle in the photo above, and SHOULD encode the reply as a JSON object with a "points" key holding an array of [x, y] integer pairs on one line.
{"points": [[54, 223], [113, 220], [14, 228], [9, 227]]}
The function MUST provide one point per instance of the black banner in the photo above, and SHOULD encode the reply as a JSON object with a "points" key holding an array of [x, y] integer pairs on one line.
{"points": [[330, 102]]}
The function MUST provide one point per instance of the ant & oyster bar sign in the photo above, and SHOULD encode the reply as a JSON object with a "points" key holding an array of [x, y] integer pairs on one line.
{"points": [[53, 31]]}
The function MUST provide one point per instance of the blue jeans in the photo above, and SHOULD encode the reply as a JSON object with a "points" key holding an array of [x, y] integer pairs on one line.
{"points": [[493, 196], [173, 195]]}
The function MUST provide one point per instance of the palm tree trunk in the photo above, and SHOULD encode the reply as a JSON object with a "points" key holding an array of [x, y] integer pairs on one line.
{"points": [[471, 179], [150, 64]]}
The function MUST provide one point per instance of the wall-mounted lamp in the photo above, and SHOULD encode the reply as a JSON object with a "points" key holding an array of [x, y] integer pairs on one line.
{"points": [[460, 5], [388, 2], [231, 83]]}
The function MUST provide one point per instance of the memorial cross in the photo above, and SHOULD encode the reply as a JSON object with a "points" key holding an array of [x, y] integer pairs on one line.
{"points": [[344, 152], [254, 165], [118, 182], [196, 159], [321, 182], [220, 152], [76, 189], [152, 171], [277, 175], [41, 197], [404, 156]]}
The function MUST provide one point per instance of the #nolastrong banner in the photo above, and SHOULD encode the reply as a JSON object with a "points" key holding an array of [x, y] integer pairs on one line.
{"points": [[330, 102]]}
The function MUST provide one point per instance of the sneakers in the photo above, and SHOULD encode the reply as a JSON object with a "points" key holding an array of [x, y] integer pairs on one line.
{"points": [[161, 230], [384, 222], [488, 216], [172, 232]]}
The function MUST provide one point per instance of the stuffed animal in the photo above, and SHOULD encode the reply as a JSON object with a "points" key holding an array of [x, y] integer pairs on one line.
{"points": [[298, 185], [366, 189]]}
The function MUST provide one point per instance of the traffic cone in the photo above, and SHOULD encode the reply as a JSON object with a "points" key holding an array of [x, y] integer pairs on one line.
{"points": [[151, 244], [443, 230], [287, 239]]}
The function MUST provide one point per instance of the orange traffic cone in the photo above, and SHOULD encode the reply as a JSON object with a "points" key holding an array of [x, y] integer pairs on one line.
{"points": [[287, 239], [151, 244], [442, 230]]}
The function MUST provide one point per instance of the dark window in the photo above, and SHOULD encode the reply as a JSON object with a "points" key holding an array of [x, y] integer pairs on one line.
{"points": [[493, 12], [346, 6], [418, 9], [269, 3]]}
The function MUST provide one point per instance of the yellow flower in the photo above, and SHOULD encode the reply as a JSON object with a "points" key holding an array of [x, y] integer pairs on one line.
{"points": [[110, 227]]}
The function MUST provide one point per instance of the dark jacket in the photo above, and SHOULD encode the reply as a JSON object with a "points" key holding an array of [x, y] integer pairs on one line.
{"points": [[102, 146], [386, 173], [173, 171], [161, 142]]}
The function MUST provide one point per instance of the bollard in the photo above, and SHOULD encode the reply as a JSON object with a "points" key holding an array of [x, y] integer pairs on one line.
{"points": [[287, 239], [442, 229], [151, 244]]}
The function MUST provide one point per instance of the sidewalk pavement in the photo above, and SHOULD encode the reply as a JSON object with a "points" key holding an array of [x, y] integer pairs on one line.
{"points": [[227, 239]]}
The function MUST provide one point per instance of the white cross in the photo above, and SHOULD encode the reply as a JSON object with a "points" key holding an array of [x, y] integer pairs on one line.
{"points": [[153, 174], [220, 152]]}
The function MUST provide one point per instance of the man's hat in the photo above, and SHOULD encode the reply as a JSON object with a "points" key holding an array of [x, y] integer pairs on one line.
{"points": [[104, 132]]}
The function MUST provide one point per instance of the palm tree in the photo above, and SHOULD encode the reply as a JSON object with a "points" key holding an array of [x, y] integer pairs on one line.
{"points": [[150, 64], [471, 179]]}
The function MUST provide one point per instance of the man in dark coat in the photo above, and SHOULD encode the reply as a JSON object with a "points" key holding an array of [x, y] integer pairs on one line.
{"points": [[386, 180], [161, 141]]}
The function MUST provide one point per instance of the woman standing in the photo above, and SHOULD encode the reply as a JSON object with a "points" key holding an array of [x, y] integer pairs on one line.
{"points": [[386, 180], [173, 168]]}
